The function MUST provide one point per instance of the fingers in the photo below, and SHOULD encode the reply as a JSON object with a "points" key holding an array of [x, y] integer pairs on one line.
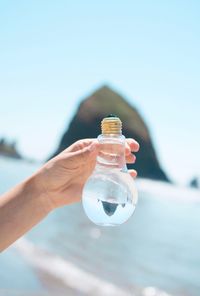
{"points": [[132, 146], [86, 154], [80, 144], [133, 173], [82, 147], [131, 158]]}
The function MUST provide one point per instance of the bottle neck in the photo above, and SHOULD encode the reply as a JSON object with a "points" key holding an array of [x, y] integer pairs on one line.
{"points": [[112, 152]]}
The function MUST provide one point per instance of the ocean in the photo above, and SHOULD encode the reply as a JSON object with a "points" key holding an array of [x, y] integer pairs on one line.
{"points": [[156, 253]]}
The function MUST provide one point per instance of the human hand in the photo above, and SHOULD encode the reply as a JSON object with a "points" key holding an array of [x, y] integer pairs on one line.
{"points": [[62, 178]]}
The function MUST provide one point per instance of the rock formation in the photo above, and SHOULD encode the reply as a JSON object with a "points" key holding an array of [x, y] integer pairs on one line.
{"points": [[9, 149], [86, 124]]}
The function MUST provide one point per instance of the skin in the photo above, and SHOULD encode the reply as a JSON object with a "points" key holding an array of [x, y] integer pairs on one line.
{"points": [[57, 183]]}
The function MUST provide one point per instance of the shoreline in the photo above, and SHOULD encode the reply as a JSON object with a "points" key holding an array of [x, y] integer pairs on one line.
{"points": [[59, 276]]}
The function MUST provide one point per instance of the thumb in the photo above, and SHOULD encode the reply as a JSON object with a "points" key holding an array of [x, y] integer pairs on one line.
{"points": [[86, 154]]}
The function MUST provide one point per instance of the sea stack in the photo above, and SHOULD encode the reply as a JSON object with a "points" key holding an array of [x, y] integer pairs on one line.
{"points": [[86, 122]]}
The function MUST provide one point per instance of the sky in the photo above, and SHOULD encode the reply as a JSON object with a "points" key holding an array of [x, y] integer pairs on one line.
{"points": [[55, 53]]}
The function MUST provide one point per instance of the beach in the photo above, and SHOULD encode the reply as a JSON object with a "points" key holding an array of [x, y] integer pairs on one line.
{"points": [[156, 253]]}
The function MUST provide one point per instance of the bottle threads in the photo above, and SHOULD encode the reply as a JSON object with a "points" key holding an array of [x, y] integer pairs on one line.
{"points": [[111, 126]]}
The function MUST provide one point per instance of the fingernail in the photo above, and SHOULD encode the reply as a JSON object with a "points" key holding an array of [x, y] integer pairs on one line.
{"points": [[138, 148]]}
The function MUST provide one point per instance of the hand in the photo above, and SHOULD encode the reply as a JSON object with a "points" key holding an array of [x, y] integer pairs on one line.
{"points": [[62, 178], [59, 182]]}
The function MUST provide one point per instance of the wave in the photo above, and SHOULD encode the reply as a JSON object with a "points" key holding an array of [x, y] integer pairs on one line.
{"points": [[70, 275], [73, 277]]}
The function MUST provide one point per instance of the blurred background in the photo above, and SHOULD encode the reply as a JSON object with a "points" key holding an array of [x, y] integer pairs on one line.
{"points": [[65, 65]]}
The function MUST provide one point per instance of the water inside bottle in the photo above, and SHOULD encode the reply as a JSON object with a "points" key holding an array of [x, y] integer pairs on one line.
{"points": [[109, 198]]}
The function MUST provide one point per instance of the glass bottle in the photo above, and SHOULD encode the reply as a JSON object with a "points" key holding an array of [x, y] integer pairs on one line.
{"points": [[109, 195]]}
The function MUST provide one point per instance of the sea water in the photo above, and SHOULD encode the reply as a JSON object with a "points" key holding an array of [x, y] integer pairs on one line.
{"points": [[158, 247]]}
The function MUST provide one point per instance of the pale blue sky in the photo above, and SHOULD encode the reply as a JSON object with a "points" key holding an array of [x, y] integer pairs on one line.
{"points": [[54, 53]]}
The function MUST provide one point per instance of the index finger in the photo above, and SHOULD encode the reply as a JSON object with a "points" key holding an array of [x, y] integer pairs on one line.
{"points": [[132, 145]]}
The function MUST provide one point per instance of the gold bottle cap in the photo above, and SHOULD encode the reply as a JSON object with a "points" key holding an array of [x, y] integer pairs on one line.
{"points": [[111, 125]]}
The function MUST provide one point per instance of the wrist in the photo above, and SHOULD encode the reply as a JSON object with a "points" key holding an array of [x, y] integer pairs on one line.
{"points": [[34, 185]]}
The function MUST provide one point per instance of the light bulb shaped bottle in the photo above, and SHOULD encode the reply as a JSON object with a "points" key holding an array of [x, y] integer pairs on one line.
{"points": [[109, 195]]}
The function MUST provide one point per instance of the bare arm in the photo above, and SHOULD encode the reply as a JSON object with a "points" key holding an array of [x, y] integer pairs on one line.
{"points": [[20, 209], [59, 182]]}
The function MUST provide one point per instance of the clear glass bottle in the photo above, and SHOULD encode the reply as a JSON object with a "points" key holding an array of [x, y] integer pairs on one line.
{"points": [[109, 195]]}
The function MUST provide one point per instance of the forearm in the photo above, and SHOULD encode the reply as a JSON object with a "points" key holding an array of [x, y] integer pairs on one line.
{"points": [[20, 209]]}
